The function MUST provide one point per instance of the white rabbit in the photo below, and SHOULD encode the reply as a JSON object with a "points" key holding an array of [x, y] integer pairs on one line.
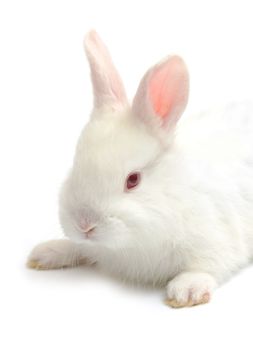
{"points": [[151, 198]]}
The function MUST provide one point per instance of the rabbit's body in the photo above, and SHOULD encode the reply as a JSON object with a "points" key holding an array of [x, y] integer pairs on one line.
{"points": [[204, 218], [210, 189], [155, 200]]}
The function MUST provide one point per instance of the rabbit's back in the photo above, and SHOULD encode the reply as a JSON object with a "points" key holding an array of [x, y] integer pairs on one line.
{"points": [[217, 151], [220, 135]]}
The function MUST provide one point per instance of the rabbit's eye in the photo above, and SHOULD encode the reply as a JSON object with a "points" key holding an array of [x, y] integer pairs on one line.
{"points": [[133, 180]]}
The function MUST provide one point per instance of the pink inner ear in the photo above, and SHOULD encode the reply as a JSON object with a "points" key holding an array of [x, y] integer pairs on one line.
{"points": [[165, 85]]}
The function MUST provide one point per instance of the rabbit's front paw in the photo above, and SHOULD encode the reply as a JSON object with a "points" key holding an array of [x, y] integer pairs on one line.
{"points": [[189, 289], [54, 254]]}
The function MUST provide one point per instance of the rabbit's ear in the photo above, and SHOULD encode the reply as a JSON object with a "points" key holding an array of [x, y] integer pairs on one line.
{"points": [[108, 89], [163, 93]]}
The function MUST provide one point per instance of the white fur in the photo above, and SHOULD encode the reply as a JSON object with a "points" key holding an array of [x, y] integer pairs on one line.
{"points": [[191, 213], [192, 210], [190, 287], [55, 254]]}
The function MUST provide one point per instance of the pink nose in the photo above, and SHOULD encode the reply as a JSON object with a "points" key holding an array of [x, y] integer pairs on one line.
{"points": [[86, 227]]}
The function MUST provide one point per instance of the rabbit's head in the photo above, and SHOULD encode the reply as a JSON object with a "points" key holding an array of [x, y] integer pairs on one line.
{"points": [[117, 175]]}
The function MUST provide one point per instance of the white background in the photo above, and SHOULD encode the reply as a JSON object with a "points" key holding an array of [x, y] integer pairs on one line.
{"points": [[45, 99]]}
